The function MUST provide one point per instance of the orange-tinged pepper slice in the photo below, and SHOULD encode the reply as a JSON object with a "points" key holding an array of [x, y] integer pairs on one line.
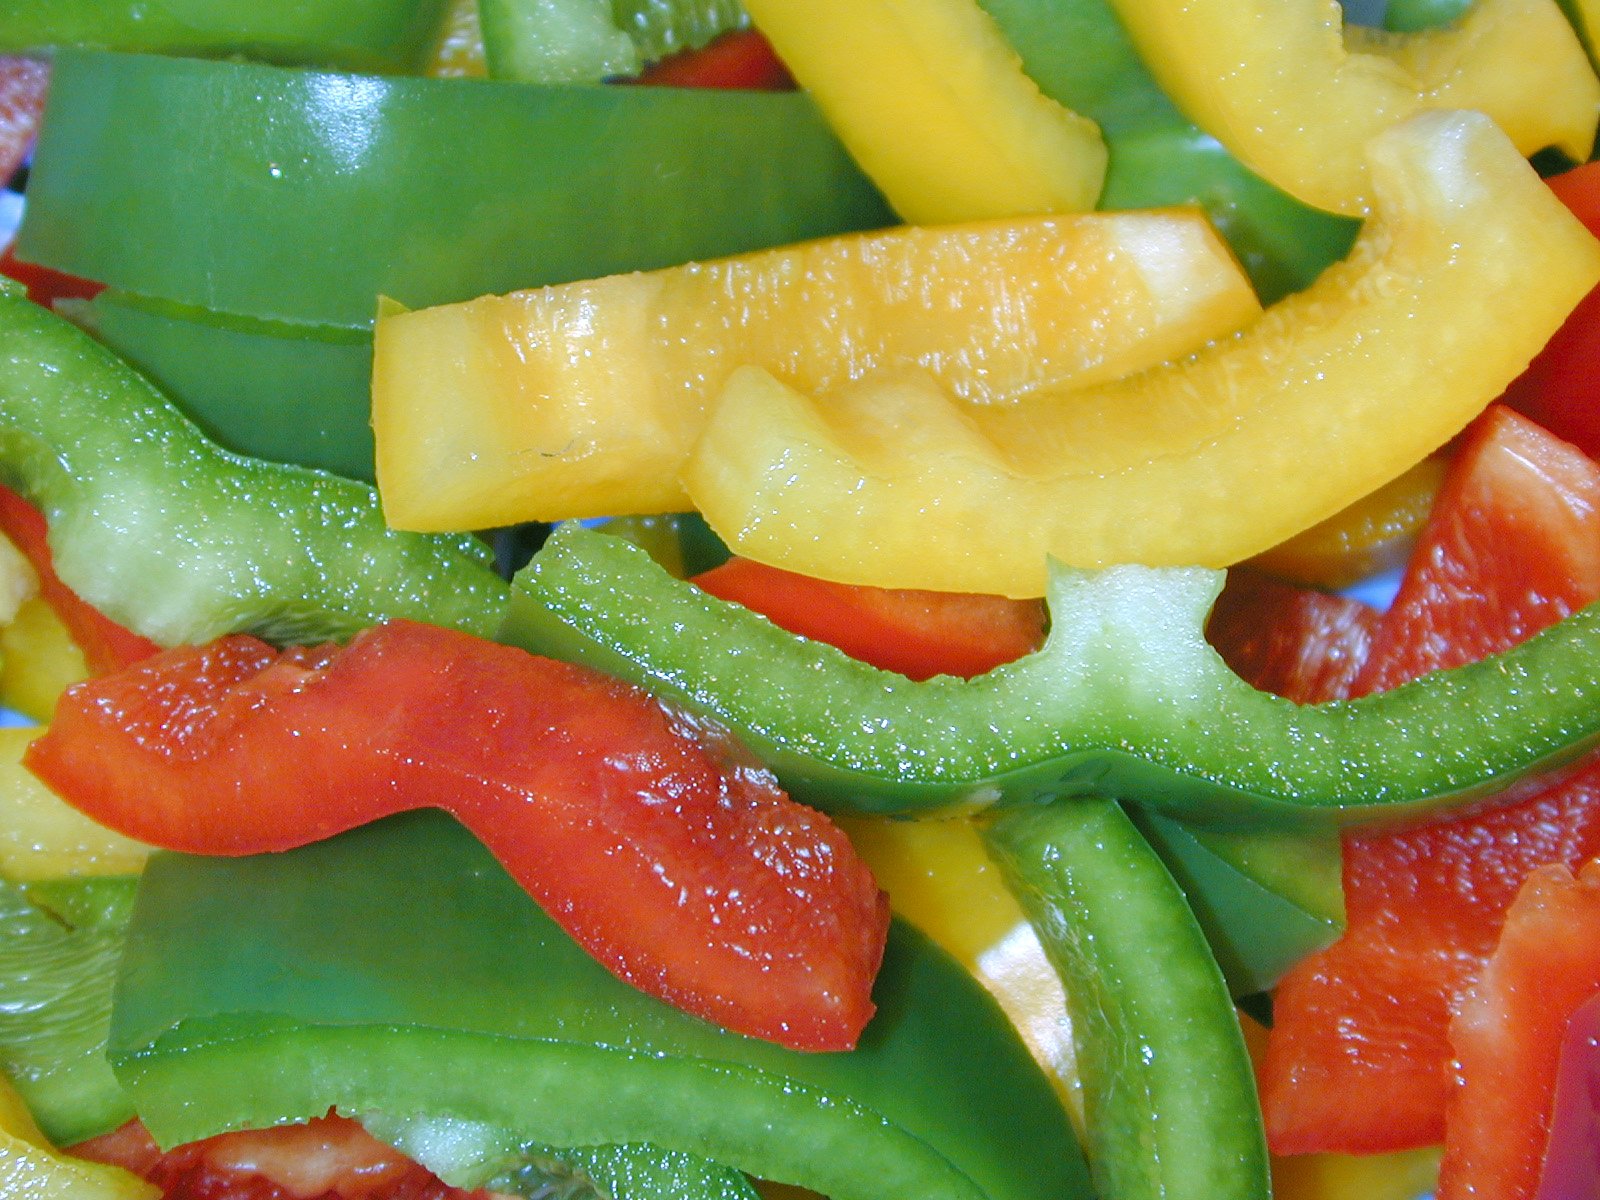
{"points": [[585, 399], [932, 102], [1467, 266], [1276, 83]]}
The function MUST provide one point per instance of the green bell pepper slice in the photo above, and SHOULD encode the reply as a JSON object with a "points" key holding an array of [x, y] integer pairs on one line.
{"points": [[288, 393], [182, 541], [303, 195], [380, 35], [58, 955], [585, 41], [1125, 699], [1170, 1102], [1079, 55], [398, 970]]}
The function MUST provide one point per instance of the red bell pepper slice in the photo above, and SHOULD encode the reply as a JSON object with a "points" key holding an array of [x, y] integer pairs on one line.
{"points": [[743, 59], [1557, 389], [44, 285], [331, 1158], [681, 868], [919, 634], [106, 645], [1508, 1037], [1514, 542]]}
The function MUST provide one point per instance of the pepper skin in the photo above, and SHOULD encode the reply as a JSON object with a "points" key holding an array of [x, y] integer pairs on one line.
{"points": [[180, 541], [375, 35], [1467, 267], [586, 399], [935, 106], [31, 1168], [347, 982], [1126, 698], [1277, 84]]}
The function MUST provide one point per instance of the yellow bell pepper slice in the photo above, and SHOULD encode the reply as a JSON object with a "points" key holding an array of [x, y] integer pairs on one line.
{"points": [[1276, 83], [1467, 267], [939, 877], [586, 399], [1373, 535], [458, 51], [30, 1169], [44, 837], [38, 661], [932, 102]]}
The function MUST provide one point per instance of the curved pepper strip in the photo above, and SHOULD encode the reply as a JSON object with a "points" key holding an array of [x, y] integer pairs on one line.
{"points": [[587, 41], [30, 1168], [934, 105], [181, 541], [1169, 1096], [381, 35], [417, 1007], [1277, 84], [1126, 698], [475, 180], [1467, 267]]}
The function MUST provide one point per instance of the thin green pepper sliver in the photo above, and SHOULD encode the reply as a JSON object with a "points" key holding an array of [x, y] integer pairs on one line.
{"points": [[392, 35], [1169, 1096], [182, 541], [1125, 699], [397, 969], [301, 196]]}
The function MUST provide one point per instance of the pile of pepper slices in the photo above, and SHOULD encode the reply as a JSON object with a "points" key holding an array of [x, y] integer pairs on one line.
{"points": [[980, 471]]}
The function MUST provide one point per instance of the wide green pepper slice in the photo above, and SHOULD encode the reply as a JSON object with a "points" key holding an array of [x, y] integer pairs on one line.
{"points": [[299, 196], [1126, 699], [392, 35], [397, 969], [182, 541]]}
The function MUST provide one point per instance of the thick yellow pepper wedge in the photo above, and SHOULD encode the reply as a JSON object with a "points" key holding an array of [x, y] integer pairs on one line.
{"points": [[1276, 83], [1467, 267], [30, 1169], [932, 102], [38, 660], [586, 399], [939, 878], [44, 837]]}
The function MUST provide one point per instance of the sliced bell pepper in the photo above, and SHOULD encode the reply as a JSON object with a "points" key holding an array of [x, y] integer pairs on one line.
{"points": [[30, 1167], [359, 34], [934, 105], [586, 41], [475, 181], [42, 836], [1507, 1034], [56, 966], [1125, 699], [1277, 84], [686, 874], [23, 83], [586, 399], [38, 661], [458, 50], [1169, 1098], [347, 982], [1330, 394], [735, 60], [180, 541]]}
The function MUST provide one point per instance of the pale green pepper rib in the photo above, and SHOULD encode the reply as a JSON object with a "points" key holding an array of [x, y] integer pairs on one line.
{"points": [[182, 541], [1126, 699]]}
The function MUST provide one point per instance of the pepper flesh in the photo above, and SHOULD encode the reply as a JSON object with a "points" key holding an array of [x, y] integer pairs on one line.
{"points": [[1331, 393], [935, 107], [586, 399], [686, 873], [1126, 698], [181, 541], [419, 1007], [30, 1167], [1276, 83]]}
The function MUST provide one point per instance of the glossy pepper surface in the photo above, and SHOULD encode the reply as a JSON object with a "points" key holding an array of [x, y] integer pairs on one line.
{"points": [[391, 35], [374, 972], [181, 541], [1126, 698]]}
